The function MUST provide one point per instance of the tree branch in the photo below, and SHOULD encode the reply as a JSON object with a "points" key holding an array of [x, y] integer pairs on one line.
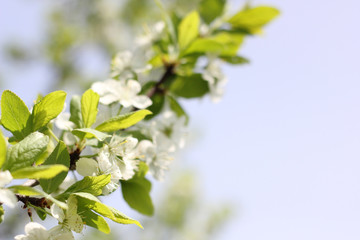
{"points": [[169, 71]]}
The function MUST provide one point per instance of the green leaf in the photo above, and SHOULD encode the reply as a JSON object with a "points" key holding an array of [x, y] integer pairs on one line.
{"points": [[176, 107], [188, 29], [14, 115], [60, 155], [1, 213], [224, 43], [75, 111], [47, 109], [89, 107], [204, 45], [43, 172], [90, 133], [42, 215], [89, 201], [2, 149], [231, 42], [193, 86], [123, 121], [26, 152], [253, 19], [235, 60], [93, 220], [158, 100], [30, 191], [211, 9], [89, 184], [136, 192]]}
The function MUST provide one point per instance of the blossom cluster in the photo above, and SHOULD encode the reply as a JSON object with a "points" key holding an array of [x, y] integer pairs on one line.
{"points": [[120, 129]]}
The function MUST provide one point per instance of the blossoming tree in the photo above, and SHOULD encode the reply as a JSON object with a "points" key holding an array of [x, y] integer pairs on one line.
{"points": [[121, 129]]}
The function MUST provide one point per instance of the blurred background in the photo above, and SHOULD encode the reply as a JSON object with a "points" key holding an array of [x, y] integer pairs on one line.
{"points": [[277, 158]]}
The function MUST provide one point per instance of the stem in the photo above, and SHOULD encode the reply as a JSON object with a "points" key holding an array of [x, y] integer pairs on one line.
{"points": [[53, 135], [39, 202], [168, 73]]}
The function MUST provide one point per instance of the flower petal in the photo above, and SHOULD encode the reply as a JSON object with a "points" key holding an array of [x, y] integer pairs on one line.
{"points": [[87, 167], [8, 198], [5, 178], [141, 102]]}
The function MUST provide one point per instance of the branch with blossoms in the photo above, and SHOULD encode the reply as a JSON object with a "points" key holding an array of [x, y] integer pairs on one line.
{"points": [[121, 130]]}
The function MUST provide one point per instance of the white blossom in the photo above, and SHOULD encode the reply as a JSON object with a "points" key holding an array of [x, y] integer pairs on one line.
{"points": [[216, 79], [34, 231], [62, 122], [168, 131], [155, 157], [123, 152], [69, 220], [124, 92], [118, 158], [123, 62], [7, 197], [151, 35]]}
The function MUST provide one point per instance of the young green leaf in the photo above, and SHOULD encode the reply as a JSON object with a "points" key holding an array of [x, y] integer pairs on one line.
{"points": [[93, 220], [90, 133], [2, 149], [224, 43], [123, 121], [60, 155], [89, 184], [231, 42], [211, 9], [75, 111], [235, 60], [136, 192], [188, 29], [190, 87], [204, 45], [47, 109], [89, 107], [90, 201], [30, 191], [26, 152], [253, 19], [40, 172], [14, 115]]}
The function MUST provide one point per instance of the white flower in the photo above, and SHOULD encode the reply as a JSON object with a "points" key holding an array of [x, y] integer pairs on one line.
{"points": [[124, 92], [151, 35], [62, 122], [155, 157], [69, 220], [7, 197], [68, 181], [34, 231], [61, 233], [169, 131], [216, 79], [118, 159], [123, 62], [123, 152]]}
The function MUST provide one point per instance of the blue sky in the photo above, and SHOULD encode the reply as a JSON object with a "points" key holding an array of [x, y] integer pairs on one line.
{"points": [[283, 145]]}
